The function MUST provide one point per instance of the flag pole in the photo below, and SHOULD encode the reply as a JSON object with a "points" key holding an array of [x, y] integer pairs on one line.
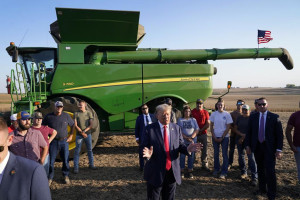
{"points": [[257, 39]]}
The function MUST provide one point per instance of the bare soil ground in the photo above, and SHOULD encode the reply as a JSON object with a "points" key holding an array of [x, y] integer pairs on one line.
{"points": [[118, 175]]}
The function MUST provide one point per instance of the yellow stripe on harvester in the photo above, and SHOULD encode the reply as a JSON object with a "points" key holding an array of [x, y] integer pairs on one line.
{"points": [[146, 81]]}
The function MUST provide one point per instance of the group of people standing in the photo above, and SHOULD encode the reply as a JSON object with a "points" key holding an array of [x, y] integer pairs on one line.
{"points": [[259, 134], [40, 141]]}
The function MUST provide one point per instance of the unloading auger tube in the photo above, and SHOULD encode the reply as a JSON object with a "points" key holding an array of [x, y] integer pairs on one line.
{"points": [[160, 55]]}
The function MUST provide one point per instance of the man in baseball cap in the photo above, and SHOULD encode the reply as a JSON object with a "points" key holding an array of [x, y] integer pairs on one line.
{"points": [[241, 127], [23, 115], [14, 123], [59, 121], [202, 118], [46, 132], [27, 141], [59, 104]]}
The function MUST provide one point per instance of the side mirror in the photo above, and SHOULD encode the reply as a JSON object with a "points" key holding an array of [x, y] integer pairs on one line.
{"points": [[229, 85], [15, 55]]}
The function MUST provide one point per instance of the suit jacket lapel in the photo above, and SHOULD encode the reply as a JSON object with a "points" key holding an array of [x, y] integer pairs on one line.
{"points": [[267, 123], [171, 132], [8, 173], [256, 125], [159, 135]]}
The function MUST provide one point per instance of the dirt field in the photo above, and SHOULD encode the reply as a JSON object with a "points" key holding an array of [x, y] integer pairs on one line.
{"points": [[118, 176]]}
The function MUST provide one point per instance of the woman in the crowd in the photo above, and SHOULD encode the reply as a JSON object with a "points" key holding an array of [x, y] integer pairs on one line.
{"points": [[190, 129]]}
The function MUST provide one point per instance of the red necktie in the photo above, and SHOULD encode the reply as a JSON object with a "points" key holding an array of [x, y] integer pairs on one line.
{"points": [[166, 141]]}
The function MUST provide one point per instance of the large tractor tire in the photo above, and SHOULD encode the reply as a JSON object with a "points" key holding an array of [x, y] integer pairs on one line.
{"points": [[71, 106]]}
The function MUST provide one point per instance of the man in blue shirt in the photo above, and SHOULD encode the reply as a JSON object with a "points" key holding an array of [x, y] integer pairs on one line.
{"points": [[59, 121]]}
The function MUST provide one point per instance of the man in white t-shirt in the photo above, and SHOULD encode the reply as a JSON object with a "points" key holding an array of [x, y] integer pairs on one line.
{"points": [[219, 127]]}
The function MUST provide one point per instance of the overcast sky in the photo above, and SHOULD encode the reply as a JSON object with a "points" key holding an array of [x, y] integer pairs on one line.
{"points": [[177, 24]]}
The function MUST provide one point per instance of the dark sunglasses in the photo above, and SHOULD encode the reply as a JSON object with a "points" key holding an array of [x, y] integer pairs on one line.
{"points": [[144, 108], [261, 104], [199, 103], [2, 146]]}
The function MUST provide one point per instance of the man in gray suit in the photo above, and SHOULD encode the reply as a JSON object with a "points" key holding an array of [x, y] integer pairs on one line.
{"points": [[162, 144], [20, 178]]}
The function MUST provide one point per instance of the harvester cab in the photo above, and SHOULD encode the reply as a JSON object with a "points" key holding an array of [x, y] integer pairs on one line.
{"points": [[31, 78]]}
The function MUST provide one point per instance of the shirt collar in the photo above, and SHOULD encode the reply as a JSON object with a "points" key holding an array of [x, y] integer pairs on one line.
{"points": [[162, 126], [265, 113], [4, 163]]}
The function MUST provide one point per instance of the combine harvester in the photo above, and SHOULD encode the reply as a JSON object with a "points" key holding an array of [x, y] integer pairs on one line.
{"points": [[97, 60]]}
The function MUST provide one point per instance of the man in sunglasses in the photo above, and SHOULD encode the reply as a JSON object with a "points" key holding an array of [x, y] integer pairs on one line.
{"points": [[27, 142], [256, 107], [265, 139], [20, 178], [142, 121]]}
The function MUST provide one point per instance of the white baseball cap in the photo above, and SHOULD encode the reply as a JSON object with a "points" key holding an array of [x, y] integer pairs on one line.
{"points": [[13, 117]]}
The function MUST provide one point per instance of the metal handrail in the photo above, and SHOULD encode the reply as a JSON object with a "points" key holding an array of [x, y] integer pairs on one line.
{"points": [[42, 72], [22, 73]]}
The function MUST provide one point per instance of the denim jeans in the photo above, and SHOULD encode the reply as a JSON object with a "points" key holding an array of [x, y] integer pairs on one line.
{"points": [[297, 157], [61, 146], [232, 143], [46, 165], [88, 144], [216, 146], [251, 161], [190, 160], [191, 157]]}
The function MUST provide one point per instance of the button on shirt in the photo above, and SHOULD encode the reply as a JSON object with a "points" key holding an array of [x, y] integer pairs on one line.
{"points": [[3, 165], [28, 146], [265, 119], [162, 131]]}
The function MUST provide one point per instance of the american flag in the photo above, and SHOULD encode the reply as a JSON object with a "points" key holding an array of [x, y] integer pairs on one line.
{"points": [[264, 36]]}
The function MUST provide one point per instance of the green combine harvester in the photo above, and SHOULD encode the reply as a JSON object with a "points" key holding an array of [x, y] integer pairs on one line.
{"points": [[97, 60]]}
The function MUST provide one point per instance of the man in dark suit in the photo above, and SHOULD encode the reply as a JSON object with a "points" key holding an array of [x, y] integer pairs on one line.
{"points": [[141, 122], [162, 144], [20, 178], [265, 139]]}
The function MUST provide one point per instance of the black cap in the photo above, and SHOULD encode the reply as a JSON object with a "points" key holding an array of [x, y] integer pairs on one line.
{"points": [[168, 101]]}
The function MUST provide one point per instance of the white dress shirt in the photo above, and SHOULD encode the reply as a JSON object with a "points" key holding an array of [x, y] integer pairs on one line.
{"points": [[162, 131], [3, 165], [149, 119]]}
